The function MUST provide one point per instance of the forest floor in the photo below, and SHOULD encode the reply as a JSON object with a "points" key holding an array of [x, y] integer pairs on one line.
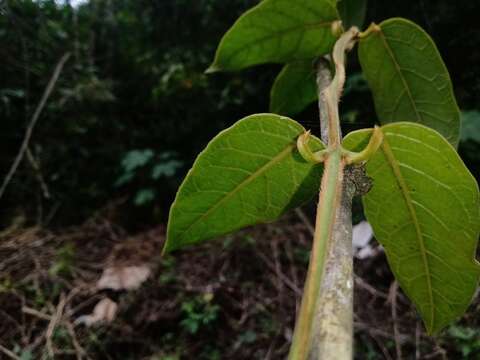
{"points": [[96, 292]]}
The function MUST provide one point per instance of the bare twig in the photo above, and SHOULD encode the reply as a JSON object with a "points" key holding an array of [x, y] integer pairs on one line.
{"points": [[439, 352], [393, 298], [366, 286], [278, 267], [289, 253], [382, 347], [36, 313], [8, 353], [306, 221], [361, 326], [56, 318], [79, 350], [417, 340], [289, 283], [38, 174], [33, 121]]}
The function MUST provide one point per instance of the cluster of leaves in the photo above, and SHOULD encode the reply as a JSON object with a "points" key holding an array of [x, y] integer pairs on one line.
{"points": [[199, 312], [467, 339], [424, 206], [146, 165]]}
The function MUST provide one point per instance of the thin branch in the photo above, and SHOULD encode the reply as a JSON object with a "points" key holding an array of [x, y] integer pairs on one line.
{"points": [[324, 328], [79, 350], [38, 174], [324, 78], [56, 318], [417, 340], [366, 286], [396, 334], [361, 326], [9, 353], [36, 313], [289, 283], [33, 121], [306, 221]]}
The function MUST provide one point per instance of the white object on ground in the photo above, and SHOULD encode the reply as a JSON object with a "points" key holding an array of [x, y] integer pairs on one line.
{"points": [[362, 234], [123, 278], [104, 312]]}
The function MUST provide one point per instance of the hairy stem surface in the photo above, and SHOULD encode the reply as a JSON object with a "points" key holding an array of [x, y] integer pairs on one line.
{"points": [[324, 328]]}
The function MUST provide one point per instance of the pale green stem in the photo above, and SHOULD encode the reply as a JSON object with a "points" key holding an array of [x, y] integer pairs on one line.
{"points": [[316, 338], [333, 92], [371, 29], [304, 150], [375, 142], [329, 199]]}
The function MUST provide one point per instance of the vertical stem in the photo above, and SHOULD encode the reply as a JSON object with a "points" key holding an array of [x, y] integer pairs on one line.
{"points": [[330, 197], [324, 78], [332, 332], [324, 328]]}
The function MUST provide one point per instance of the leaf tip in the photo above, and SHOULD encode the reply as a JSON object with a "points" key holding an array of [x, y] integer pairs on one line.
{"points": [[165, 250], [432, 330], [168, 246], [212, 69]]}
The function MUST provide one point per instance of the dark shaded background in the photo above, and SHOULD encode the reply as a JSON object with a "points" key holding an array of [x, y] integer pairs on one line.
{"points": [[135, 82], [131, 110]]}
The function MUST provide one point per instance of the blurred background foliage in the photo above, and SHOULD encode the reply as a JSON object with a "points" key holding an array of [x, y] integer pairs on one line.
{"points": [[133, 107], [129, 113]]}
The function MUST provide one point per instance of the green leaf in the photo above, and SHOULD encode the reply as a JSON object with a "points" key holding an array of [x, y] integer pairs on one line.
{"points": [[278, 31], [408, 78], [352, 12], [424, 209], [248, 174], [294, 88]]}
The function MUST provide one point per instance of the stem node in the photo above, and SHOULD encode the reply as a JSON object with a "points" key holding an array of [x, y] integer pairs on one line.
{"points": [[360, 157], [307, 153]]}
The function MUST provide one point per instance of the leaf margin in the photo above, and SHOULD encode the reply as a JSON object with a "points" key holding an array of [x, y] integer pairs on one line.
{"points": [[473, 261], [279, 85], [377, 28], [316, 144], [216, 67]]}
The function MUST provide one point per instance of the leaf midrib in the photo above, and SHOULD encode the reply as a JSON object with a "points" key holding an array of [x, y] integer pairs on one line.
{"points": [[392, 161], [400, 73], [240, 186], [303, 27]]}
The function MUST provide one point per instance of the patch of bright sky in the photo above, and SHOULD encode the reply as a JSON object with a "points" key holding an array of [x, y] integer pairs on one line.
{"points": [[74, 3]]}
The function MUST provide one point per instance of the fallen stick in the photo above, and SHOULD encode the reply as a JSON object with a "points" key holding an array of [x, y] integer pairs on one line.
{"points": [[33, 121]]}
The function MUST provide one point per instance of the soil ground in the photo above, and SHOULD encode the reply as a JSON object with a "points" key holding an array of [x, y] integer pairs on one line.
{"points": [[234, 298]]}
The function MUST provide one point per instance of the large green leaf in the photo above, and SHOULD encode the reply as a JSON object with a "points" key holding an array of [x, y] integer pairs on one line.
{"points": [[352, 12], [294, 88], [278, 31], [408, 78], [424, 209], [249, 173]]}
